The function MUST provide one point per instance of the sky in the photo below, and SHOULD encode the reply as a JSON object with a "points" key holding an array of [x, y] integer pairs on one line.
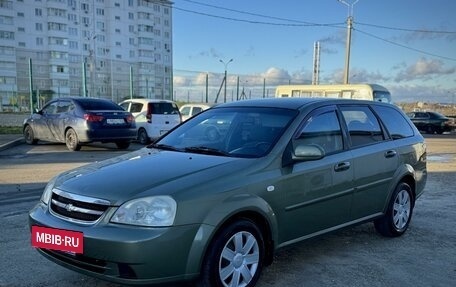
{"points": [[408, 46]]}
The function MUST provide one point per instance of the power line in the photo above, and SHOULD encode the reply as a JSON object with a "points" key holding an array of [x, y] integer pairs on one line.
{"points": [[304, 24], [404, 46], [255, 14], [407, 30], [318, 24], [297, 23]]}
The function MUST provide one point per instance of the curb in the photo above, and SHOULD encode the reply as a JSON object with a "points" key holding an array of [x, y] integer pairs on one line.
{"points": [[12, 143]]}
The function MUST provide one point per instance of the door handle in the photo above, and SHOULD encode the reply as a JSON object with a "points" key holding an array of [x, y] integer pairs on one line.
{"points": [[390, 153], [341, 166]]}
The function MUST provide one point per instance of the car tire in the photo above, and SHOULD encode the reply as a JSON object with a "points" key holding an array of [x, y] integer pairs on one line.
{"points": [[122, 144], [400, 209], [29, 136], [235, 256], [430, 130], [143, 137], [72, 141]]}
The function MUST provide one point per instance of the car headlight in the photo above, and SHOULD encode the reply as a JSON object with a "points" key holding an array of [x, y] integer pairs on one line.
{"points": [[47, 193], [156, 211]]}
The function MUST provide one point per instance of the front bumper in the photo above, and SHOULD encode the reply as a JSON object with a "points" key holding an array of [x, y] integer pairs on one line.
{"points": [[127, 254]]}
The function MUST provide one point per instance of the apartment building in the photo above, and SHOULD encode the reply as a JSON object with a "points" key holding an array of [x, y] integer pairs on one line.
{"points": [[98, 48]]}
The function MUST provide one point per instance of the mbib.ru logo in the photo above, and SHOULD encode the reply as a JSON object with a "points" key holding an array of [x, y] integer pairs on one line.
{"points": [[57, 239]]}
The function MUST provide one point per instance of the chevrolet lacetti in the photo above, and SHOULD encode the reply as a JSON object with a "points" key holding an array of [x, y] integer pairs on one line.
{"points": [[213, 199]]}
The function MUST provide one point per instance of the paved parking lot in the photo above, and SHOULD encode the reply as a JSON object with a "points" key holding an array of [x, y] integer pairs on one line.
{"points": [[424, 256]]}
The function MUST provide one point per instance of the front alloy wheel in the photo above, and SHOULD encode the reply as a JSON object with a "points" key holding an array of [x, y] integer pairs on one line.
{"points": [[235, 258]]}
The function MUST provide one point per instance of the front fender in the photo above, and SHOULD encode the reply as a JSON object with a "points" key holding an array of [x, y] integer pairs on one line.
{"points": [[240, 205]]}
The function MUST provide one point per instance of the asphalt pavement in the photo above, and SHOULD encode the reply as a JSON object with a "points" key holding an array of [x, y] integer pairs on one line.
{"points": [[10, 140]]}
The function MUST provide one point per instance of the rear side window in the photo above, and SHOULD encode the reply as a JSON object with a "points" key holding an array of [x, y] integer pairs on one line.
{"points": [[136, 107], [163, 109], [397, 126], [363, 127], [196, 110]]}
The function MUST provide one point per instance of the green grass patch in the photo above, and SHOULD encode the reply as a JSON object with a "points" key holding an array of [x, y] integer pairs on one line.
{"points": [[10, 130]]}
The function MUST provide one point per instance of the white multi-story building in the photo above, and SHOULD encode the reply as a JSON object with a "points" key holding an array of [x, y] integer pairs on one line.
{"points": [[99, 48]]}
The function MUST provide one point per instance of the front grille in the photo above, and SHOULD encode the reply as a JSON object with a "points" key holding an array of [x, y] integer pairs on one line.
{"points": [[77, 208]]}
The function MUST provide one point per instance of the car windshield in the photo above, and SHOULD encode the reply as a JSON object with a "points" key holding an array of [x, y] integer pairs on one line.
{"points": [[239, 132]]}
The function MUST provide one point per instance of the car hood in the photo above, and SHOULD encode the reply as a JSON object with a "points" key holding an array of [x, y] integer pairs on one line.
{"points": [[146, 172]]}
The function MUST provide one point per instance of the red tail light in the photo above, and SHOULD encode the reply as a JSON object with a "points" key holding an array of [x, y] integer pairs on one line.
{"points": [[149, 113], [93, 118]]}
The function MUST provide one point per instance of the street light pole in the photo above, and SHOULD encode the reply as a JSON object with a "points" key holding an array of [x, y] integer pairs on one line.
{"points": [[226, 66], [348, 44]]}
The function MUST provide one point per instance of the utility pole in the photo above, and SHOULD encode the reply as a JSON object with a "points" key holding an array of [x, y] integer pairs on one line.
{"points": [[225, 79], [348, 43]]}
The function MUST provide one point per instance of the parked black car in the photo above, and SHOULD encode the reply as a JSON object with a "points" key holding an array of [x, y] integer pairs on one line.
{"points": [[430, 122], [77, 121]]}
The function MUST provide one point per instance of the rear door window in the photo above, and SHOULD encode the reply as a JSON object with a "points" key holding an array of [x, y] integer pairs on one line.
{"points": [[363, 127]]}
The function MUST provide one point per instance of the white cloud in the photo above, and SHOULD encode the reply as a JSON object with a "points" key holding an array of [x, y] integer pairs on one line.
{"points": [[424, 69]]}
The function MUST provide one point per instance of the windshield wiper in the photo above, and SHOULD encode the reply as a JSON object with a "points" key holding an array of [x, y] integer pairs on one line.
{"points": [[164, 147], [206, 150]]}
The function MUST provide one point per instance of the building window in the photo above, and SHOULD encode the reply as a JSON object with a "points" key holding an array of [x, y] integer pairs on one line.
{"points": [[6, 35], [39, 41], [117, 17], [100, 11], [38, 12], [118, 44], [21, 29], [60, 69], [131, 16], [21, 44], [117, 30], [130, 3], [73, 45], [38, 26], [117, 4]]}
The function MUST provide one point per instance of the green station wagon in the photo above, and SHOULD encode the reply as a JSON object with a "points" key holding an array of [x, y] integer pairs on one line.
{"points": [[213, 199]]}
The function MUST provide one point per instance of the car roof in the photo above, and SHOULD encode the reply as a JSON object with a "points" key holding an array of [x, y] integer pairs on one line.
{"points": [[202, 105], [144, 101], [293, 103], [82, 99]]}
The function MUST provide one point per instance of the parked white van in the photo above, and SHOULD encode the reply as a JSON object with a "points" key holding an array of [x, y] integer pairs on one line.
{"points": [[153, 117], [189, 110]]}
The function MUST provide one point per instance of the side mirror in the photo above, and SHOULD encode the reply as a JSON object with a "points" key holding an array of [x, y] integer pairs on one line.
{"points": [[307, 152]]}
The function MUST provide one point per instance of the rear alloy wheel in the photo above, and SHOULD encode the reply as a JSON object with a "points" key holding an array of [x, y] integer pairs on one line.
{"points": [[71, 140], [122, 144], [143, 138], [29, 135], [235, 257], [400, 209]]}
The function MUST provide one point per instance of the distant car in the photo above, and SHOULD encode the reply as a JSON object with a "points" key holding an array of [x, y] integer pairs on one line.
{"points": [[153, 117], [189, 110], [213, 207], [78, 121], [430, 122]]}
